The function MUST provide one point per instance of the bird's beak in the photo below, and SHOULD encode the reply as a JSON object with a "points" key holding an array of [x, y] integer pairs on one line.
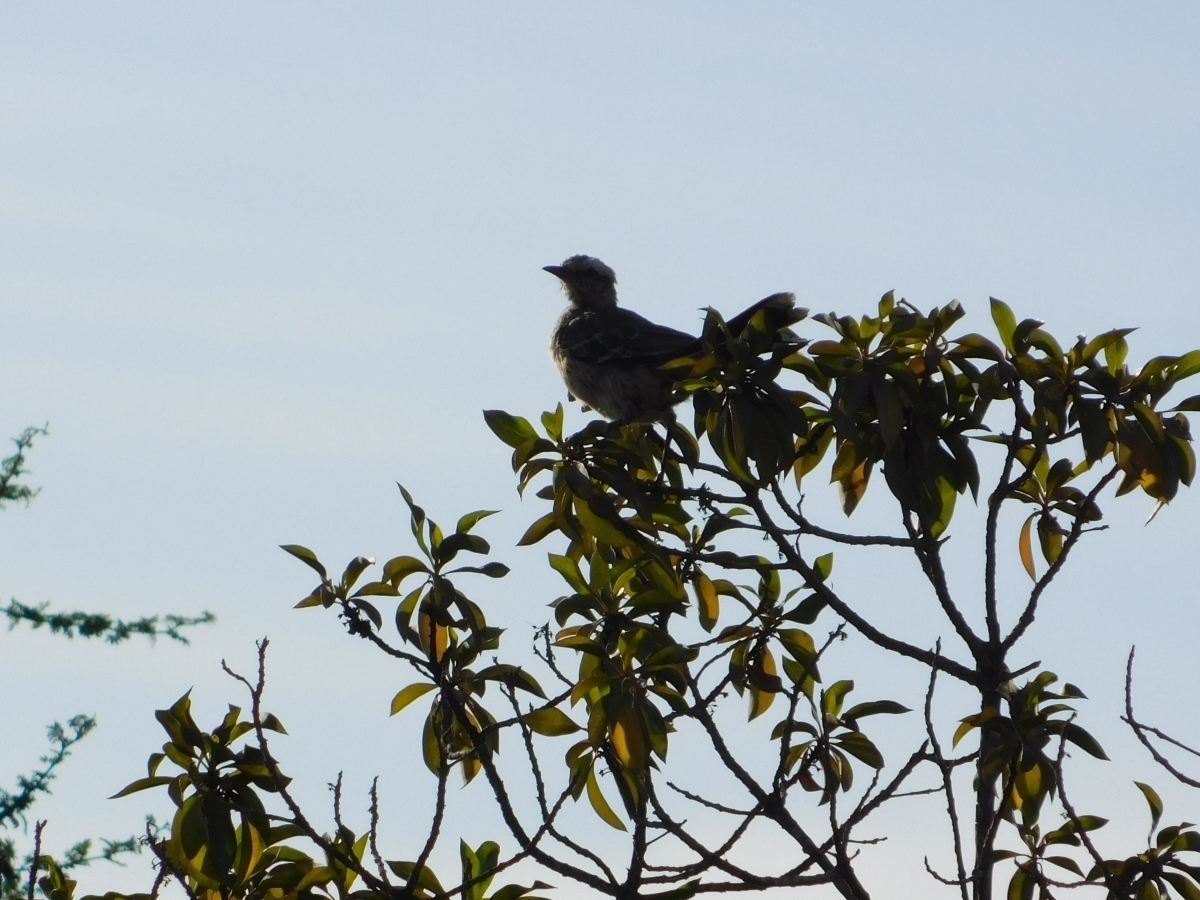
{"points": [[556, 271]]}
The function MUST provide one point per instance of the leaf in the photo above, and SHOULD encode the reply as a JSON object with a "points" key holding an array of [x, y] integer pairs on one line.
{"points": [[550, 721], [859, 746], [1006, 322], [307, 557], [1154, 801], [569, 570], [831, 703], [471, 519], [823, 566], [1115, 353], [409, 694], [1065, 862], [1191, 404], [1083, 740], [599, 526], [396, 569], [141, 784], [513, 430], [491, 570], [600, 805], [537, 530], [425, 879], [1022, 885], [628, 737], [553, 423], [708, 604], [873, 708], [355, 568], [972, 722], [1025, 545]]}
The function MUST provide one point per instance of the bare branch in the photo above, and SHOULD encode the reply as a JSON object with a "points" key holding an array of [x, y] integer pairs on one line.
{"points": [[1140, 730], [947, 784], [37, 857], [843, 609], [804, 526]]}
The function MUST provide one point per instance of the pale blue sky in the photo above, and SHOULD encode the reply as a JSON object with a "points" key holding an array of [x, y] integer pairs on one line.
{"points": [[259, 262]]}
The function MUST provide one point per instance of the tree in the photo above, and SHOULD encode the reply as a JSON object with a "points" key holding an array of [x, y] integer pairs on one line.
{"points": [[16, 806], [654, 635]]}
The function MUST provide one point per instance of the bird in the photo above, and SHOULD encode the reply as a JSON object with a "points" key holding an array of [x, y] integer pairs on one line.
{"points": [[611, 358]]}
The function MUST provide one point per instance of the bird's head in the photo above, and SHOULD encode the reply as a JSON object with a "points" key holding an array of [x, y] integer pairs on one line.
{"points": [[589, 283]]}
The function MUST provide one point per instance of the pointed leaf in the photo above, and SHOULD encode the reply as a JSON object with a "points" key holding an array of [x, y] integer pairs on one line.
{"points": [[1025, 545], [307, 557], [600, 805], [409, 694]]}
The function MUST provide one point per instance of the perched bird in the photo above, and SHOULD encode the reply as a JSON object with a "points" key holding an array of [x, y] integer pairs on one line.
{"points": [[611, 358]]}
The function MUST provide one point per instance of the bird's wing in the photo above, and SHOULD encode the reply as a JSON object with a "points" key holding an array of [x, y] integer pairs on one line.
{"points": [[621, 335]]}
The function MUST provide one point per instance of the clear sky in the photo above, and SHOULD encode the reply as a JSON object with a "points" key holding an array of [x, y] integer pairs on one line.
{"points": [[258, 262]]}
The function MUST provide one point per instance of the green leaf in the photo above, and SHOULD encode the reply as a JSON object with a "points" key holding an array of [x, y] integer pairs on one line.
{"points": [[272, 723], [600, 805], [1083, 740], [1022, 885], [873, 708], [471, 519], [396, 569], [553, 423], [1065, 862], [425, 879], [491, 570], [1185, 886], [307, 557], [537, 530], [859, 746], [831, 703], [550, 721], [409, 694], [1154, 801], [1006, 322], [823, 566], [569, 570], [513, 430], [141, 784], [1092, 823], [1191, 404], [355, 568], [1115, 353]]}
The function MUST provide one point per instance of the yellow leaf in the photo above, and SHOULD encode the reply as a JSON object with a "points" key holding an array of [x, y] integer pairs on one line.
{"points": [[708, 604], [1026, 547], [600, 527], [409, 694], [628, 739]]}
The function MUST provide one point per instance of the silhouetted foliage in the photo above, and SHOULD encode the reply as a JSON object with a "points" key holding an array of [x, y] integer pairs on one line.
{"points": [[656, 632]]}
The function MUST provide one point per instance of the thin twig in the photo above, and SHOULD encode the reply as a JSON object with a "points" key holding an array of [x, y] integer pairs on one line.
{"points": [[843, 609], [947, 782], [374, 833], [1139, 729], [298, 817], [804, 526], [37, 857]]}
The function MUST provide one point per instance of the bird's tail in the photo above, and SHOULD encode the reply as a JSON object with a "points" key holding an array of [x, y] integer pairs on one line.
{"points": [[781, 311]]}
